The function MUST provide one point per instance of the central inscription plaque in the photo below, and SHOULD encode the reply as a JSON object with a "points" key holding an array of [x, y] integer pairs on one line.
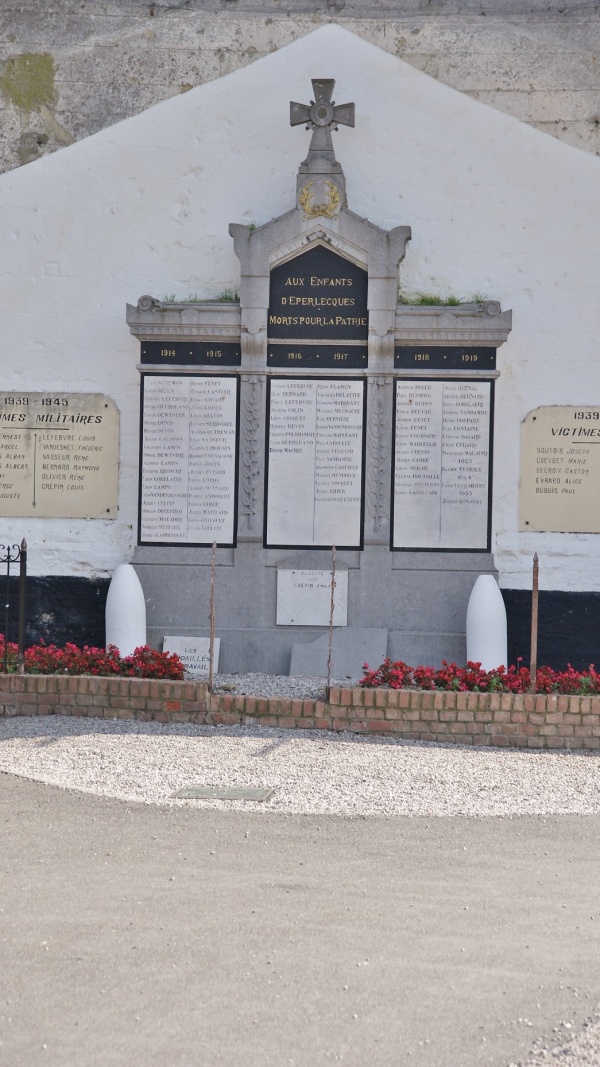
{"points": [[442, 467], [315, 469], [317, 297], [188, 464]]}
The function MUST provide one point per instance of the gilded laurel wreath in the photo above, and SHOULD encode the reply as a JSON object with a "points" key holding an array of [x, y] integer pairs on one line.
{"points": [[312, 210]]}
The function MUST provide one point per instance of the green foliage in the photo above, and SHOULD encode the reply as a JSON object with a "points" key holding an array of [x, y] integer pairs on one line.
{"points": [[171, 298], [227, 296], [433, 300], [428, 300]]}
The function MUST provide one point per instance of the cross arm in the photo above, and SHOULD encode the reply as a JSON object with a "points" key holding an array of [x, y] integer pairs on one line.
{"points": [[299, 114]]}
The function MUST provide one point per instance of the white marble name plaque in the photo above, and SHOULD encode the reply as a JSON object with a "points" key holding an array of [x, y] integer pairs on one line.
{"points": [[194, 653], [304, 598], [188, 483], [442, 464], [59, 455], [315, 473]]}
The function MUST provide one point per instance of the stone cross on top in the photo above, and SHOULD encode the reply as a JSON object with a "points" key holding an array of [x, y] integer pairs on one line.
{"points": [[321, 116]]}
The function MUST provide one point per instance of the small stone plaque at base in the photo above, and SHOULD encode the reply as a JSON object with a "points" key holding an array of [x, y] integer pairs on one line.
{"points": [[194, 653], [304, 598], [208, 792]]}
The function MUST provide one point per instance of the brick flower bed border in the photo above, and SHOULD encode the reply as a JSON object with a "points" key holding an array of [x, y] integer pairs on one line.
{"points": [[500, 719]]}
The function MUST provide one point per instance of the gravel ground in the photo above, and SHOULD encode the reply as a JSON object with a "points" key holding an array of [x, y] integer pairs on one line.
{"points": [[582, 1051], [311, 772], [279, 685]]}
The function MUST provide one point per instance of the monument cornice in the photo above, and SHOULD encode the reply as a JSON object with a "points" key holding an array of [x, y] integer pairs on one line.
{"points": [[469, 323], [153, 320]]}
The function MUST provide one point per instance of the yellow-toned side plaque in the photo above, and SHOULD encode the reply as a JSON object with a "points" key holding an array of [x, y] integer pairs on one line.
{"points": [[560, 470], [59, 455]]}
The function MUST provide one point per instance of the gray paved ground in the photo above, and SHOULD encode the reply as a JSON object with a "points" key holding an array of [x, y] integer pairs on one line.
{"points": [[133, 934]]}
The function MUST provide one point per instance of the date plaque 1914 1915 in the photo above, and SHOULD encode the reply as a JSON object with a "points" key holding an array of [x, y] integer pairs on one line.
{"points": [[192, 353]]}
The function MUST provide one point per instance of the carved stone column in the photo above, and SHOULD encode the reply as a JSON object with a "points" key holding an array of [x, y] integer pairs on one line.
{"points": [[251, 457], [378, 459]]}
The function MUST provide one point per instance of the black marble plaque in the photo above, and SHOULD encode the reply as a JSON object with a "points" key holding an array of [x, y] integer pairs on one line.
{"points": [[438, 357], [192, 353], [336, 357], [318, 295]]}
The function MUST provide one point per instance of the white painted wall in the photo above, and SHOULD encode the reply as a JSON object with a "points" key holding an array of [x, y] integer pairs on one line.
{"points": [[495, 208]]}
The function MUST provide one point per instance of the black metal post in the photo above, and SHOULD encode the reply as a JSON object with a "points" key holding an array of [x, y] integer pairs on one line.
{"points": [[8, 559], [534, 625], [6, 607]]}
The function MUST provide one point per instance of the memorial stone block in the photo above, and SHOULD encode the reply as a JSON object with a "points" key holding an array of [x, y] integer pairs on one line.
{"points": [[407, 470]]}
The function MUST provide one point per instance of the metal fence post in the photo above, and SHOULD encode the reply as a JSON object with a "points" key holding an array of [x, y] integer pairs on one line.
{"points": [[22, 604]]}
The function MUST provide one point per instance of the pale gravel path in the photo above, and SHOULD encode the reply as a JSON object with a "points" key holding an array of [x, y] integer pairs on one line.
{"points": [[582, 1051], [311, 772]]}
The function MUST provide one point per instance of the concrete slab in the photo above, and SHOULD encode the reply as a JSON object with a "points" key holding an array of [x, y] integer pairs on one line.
{"points": [[352, 647]]}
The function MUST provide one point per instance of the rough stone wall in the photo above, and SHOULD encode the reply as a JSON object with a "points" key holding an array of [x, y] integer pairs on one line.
{"points": [[71, 67]]}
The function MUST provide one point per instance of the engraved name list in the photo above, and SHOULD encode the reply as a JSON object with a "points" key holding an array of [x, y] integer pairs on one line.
{"points": [[188, 469]]}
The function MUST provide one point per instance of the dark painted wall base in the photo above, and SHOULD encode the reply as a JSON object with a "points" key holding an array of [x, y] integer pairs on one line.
{"points": [[568, 632], [61, 609]]}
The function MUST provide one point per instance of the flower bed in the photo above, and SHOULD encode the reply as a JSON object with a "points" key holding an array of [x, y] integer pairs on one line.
{"points": [[473, 679], [145, 662], [451, 705]]}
